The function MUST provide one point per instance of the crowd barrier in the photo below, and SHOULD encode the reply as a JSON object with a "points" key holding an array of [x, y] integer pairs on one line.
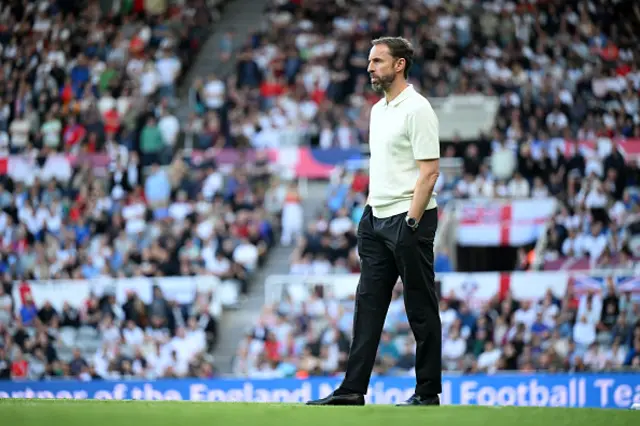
{"points": [[612, 390], [475, 288], [303, 162], [76, 292]]}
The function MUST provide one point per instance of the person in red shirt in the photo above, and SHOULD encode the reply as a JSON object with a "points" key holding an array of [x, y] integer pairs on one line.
{"points": [[272, 87], [73, 133], [360, 182], [111, 120], [25, 290], [610, 52], [66, 93], [19, 367], [272, 348], [318, 95]]}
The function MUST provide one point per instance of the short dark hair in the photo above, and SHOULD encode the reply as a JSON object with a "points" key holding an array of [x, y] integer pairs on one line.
{"points": [[399, 47]]}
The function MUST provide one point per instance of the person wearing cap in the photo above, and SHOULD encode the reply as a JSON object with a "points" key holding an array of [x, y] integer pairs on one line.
{"points": [[397, 229]]}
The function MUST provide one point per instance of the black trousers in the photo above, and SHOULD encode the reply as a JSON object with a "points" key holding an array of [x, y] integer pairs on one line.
{"points": [[388, 248]]}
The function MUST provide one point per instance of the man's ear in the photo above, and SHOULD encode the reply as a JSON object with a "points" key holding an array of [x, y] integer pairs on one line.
{"points": [[399, 63]]}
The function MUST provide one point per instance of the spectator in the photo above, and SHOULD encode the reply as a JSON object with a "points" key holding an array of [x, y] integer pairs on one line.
{"points": [[151, 143], [5, 364], [584, 333], [6, 307], [19, 367], [488, 360]]}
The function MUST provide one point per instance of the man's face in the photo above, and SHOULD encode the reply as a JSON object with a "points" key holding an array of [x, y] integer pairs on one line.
{"points": [[382, 67]]}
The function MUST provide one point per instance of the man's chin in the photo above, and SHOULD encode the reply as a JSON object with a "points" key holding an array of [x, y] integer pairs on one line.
{"points": [[377, 87]]}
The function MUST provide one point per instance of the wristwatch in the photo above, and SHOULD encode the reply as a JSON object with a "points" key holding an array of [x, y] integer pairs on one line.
{"points": [[411, 223]]}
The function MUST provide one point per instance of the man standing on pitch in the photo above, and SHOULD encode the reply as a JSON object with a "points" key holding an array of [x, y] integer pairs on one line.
{"points": [[397, 229]]}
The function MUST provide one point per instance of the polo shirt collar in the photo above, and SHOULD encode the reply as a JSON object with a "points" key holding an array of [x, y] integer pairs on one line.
{"points": [[401, 96]]}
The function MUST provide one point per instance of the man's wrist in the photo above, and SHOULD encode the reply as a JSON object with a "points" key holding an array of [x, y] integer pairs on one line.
{"points": [[416, 216], [411, 222]]}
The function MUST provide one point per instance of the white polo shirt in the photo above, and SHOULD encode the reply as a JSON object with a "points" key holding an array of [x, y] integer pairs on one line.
{"points": [[400, 132]]}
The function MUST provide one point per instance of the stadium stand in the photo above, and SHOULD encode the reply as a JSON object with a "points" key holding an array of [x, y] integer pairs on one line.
{"points": [[566, 80], [305, 330], [118, 252], [567, 115], [542, 89]]}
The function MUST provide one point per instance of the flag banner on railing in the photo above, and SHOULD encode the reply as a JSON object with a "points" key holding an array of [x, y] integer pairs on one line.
{"points": [[475, 288], [302, 162], [483, 223]]}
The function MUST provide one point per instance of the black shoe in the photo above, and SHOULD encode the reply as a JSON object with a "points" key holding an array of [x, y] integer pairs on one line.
{"points": [[420, 400], [339, 399]]}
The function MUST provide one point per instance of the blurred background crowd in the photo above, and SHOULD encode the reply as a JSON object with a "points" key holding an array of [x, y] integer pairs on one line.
{"points": [[310, 335], [121, 175]]}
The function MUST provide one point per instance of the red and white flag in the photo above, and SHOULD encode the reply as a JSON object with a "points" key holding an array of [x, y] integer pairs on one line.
{"points": [[503, 223]]}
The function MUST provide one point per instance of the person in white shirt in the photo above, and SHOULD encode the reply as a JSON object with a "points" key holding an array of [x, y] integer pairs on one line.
{"points": [[218, 265], [518, 187], [447, 315], [488, 360], [214, 93], [596, 198], [302, 266], [169, 127], [110, 333], [616, 355], [196, 337], [181, 208], [292, 217], [453, 348], [590, 309], [526, 314], [549, 311], [595, 358], [539, 190], [168, 68], [212, 183], [182, 346], [246, 254], [396, 231], [132, 334], [466, 187], [584, 334], [149, 80], [321, 265], [572, 246], [341, 224], [101, 360], [20, 133], [595, 243]]}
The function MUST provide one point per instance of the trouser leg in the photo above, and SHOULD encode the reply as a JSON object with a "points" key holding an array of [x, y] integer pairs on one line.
{"points": [[373, 296], [414, 260]]}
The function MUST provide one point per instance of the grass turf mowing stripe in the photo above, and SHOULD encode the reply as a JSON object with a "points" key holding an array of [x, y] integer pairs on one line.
{"points": [[14, 412]]}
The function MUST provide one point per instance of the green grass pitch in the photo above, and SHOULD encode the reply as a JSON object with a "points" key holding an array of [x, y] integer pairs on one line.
{"points": [[16, 412]]}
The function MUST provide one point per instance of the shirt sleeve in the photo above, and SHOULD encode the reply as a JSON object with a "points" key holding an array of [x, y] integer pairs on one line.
{"points": [[423, 132]]}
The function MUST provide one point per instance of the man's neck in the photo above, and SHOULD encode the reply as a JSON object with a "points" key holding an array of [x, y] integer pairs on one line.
{"points": [[396, 88]]}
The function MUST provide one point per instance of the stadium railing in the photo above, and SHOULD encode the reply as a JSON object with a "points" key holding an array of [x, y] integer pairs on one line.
{"points": [[475, 288], [182, 289], [464, 117]]}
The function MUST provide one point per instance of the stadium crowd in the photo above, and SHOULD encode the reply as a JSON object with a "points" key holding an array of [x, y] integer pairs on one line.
{"points": [[568, 80], [96, 186], [302, 336], [564, 73], [103, 339], [100, 78]]}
